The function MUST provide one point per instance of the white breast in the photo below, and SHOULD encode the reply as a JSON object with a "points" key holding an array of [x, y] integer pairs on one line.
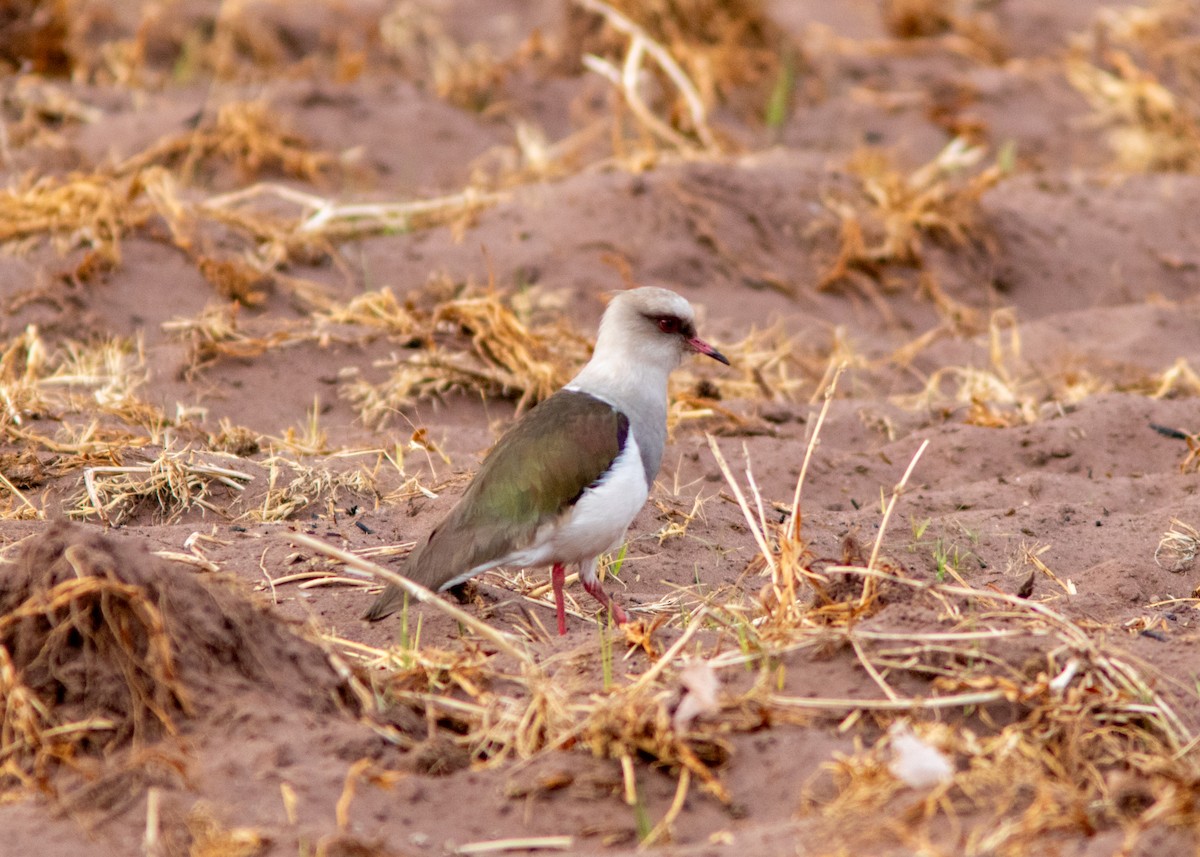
{"points": [[598, 520]]}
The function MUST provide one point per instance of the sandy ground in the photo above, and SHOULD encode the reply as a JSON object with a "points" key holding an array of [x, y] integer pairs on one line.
{"points": [[984, 212]]}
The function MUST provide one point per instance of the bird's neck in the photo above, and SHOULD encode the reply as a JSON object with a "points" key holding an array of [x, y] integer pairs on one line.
{"points": [[633, 386], [637, 389]]}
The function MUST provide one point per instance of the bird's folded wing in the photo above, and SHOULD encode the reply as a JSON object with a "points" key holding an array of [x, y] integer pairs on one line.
{"points": [[534, 474]]}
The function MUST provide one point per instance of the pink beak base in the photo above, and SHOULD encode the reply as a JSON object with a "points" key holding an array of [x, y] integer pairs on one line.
{"points": [[701, 347]]}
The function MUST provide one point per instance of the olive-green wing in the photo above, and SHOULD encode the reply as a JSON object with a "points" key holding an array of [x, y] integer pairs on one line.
{"points": [[533, 474]]}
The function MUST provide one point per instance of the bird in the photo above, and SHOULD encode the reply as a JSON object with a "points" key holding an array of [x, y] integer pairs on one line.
{"points": [[564, 482]]}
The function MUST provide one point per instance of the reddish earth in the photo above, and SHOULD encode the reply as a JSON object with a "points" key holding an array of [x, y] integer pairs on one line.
{"points": [[1035, 319]]}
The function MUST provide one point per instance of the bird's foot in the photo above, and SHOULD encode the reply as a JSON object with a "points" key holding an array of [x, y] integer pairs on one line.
{"points": [[595, 590]]}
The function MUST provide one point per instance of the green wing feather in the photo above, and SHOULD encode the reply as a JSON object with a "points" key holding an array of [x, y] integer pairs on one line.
{"points": [[533, 474]]}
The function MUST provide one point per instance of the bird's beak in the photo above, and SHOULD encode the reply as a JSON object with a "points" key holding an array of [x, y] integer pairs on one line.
{"points": [[701, 347]]}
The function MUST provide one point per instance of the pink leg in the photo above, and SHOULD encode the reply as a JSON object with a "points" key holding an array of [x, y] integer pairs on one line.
{"points": [[595, 590], [557, 576]]}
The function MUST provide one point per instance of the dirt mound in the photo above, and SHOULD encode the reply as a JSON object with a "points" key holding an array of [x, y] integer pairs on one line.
{"points": [[104, 645]]}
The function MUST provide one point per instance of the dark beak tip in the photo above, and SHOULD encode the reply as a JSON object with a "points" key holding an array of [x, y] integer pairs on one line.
{"points": [[701, 347]]}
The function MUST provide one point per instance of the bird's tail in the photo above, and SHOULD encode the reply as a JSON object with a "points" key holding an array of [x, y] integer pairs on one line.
{"points": [[388, 602]]}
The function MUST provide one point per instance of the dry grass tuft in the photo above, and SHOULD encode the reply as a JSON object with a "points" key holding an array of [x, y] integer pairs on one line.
{"points": [[997, 396], [123, 446], [155, 46], [702, 51], [293, 486], [247, 136], [129, 469], [170, 485], [1180, 379], [211, 838], [238, 250], [38, 110], [216, 334], [1191, 461], [234, 439], [636, 721], [378, 309], [89, 211], [470, 77], [967, 28], [506, 717], [798, 593], [1140, 69], [1178, 547], [277, 225], [1012, 791], [473, 342], [1085, 722], [1007, 391], [895, 214], [722, 44], [38, 382], [627, 76], [531, 362], [76, 407], [93, 212]]}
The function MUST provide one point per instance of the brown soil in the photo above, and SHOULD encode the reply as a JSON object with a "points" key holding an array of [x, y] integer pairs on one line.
{"points": [[1027, 301]]}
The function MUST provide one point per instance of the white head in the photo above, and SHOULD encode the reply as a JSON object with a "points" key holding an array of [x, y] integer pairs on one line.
{"points": [[643, 336], [650, 328]]}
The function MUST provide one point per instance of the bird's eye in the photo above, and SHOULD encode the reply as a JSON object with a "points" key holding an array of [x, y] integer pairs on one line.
{"points": [[668, 324]]}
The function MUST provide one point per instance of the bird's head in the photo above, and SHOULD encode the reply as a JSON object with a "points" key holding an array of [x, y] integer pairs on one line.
{"points": [[651, 327]]}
